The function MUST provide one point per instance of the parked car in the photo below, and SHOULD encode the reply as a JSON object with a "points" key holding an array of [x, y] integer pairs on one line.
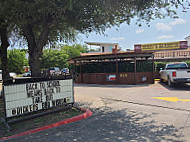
{"points": [[54, 71], [65, 71], [175, 73], [12, 74], [27, 74]]}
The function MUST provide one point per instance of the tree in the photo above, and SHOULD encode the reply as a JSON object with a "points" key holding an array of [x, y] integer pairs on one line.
{"points": [[16, 60], [4, 43], [54, 58], [45, 21], [58, 57], [3, 48], [6, 28], [74, 50]]}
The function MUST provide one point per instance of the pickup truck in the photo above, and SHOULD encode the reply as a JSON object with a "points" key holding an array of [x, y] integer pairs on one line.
{"points": [[175, 73]]}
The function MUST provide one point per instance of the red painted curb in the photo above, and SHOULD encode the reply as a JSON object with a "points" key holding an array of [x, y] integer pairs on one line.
{"points": [[85, 115]]}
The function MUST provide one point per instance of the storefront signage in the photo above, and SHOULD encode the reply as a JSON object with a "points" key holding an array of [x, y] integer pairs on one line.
{"points": [[161, 46], [29, 97], [111, 77], [123, 75]]}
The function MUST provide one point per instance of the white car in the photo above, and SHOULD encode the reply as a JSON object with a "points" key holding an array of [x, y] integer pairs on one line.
{"points": [[11, 74], [175, 73]]}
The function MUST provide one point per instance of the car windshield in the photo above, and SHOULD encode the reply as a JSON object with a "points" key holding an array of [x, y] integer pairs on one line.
{"points": [[51, 68], [177, 65], [56, 69], [64, 69]]}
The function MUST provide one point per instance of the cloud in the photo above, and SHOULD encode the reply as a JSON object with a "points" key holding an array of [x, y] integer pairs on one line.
{"points": [[163, 27], [117, 38], [168, 27], [139, 31], [178, 21], [165, 37]]}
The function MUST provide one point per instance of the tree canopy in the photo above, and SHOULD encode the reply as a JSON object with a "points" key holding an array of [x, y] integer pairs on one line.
{"points": [[17, 60], [46, 21], [58, 57]]}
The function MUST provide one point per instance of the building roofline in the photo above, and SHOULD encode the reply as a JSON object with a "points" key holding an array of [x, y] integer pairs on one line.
{"points": [[160, 42], [99, 43], [113, 56]]}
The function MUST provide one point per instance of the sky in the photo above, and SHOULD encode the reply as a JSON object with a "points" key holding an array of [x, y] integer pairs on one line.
{"points": [[160, 30]]}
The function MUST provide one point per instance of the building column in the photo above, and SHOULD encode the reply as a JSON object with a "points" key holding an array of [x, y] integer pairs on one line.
{"points": [[81, 76], [135, 71], [117, 69], [74, 71]]}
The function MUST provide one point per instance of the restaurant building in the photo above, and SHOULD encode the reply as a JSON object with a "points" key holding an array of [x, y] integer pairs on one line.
{"points": [[114, 68]]}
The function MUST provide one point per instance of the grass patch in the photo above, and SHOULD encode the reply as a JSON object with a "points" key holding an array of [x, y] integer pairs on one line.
{"points": [[19, 75], [37, 122]]}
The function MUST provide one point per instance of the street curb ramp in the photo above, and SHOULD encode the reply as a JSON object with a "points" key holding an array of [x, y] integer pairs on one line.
{"points": [[85, 115]]}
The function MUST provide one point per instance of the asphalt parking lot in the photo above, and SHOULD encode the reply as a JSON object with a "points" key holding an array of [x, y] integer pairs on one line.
{"points": [[126, 113]]}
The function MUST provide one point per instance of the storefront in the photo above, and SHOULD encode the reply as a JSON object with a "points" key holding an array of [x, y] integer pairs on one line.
{"points": [[109, 68]]}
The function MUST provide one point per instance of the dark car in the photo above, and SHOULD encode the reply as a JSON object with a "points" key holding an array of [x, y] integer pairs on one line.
{"points": [[65, 71]]}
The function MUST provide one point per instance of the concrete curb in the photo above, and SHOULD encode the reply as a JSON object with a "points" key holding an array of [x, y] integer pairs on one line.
{"points": [[85, 115]]}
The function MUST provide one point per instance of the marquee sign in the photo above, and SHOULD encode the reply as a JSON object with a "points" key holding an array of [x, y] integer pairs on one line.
{"points": [[24, 98], [161, 46]]}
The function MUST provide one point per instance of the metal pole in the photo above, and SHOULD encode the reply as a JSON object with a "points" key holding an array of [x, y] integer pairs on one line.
{"points": [[135, 71], [74, 71], [117, 70], [4, 101], [81, 73], [153, 68]]}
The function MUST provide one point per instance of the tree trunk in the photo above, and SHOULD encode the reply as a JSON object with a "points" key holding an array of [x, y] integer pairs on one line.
{"points": [[34, 62], [3, 52], [35, 47]]}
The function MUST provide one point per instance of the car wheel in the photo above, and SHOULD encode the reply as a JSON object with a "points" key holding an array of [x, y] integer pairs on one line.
{"points": [[170, 84], [161, 80]]}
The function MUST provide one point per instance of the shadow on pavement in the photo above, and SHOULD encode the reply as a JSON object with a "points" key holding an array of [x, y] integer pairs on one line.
{"points": [[177, 87], [109, 126], [111, 86]]}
